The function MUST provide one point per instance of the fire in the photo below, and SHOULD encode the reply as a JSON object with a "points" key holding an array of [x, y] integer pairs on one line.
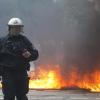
{"points": [[47, 79], [51, 77]]}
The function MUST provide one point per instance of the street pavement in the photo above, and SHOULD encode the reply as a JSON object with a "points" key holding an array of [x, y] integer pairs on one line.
{"points": [[60, 95]]}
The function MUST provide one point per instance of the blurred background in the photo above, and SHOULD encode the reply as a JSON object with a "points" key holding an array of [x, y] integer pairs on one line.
{"points": [[65, 32]]}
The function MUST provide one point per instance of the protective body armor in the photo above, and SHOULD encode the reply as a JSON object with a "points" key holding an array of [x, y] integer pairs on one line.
{"points": [[11, 50]]}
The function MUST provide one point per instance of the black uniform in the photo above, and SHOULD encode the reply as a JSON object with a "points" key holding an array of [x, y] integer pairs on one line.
{"points": [[13, 66]]}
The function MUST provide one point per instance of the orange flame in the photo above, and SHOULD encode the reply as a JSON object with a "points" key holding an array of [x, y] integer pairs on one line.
{"points": [[52, 78], [47, 79]]}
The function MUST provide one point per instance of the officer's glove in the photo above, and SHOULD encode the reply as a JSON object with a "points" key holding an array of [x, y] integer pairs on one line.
{"points": [[26, 54]]}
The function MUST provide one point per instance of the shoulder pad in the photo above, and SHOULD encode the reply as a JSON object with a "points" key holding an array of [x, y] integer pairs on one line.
{"points": [[26, 40]]}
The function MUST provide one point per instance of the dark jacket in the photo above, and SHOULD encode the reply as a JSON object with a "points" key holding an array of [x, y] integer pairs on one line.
{"points": [[11, 49]]}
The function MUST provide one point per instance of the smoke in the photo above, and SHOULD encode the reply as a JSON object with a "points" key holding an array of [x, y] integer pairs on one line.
{"points": [[65, 32]]}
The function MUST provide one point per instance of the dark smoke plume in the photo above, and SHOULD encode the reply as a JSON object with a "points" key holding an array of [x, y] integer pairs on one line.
{"points": [[65, 32]]}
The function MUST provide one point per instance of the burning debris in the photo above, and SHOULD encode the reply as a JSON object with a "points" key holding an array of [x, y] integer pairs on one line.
{"points": [[47, 78], [51, 77]]}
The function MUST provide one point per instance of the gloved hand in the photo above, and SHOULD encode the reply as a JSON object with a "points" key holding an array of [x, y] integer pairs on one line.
{"points": [[26, 53]]}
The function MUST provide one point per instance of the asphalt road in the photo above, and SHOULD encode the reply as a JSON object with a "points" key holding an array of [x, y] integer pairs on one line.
{"points": [[60, 95]]}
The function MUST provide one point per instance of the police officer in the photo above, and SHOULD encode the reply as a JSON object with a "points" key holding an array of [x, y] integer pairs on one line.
{"points": [[16, 51]]}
